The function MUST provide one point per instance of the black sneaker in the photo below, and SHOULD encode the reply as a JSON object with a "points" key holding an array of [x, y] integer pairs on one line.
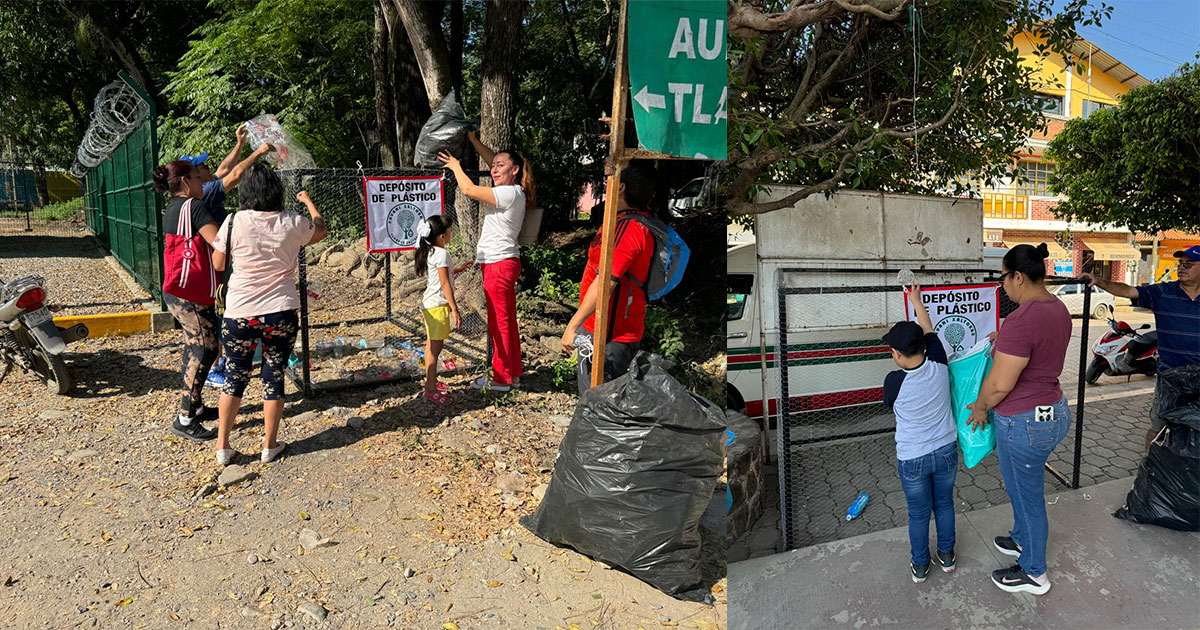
{"points": [[1015, 580], [946, 559], [1007, 546], [205, 414], [194, 431], [919, 572]]}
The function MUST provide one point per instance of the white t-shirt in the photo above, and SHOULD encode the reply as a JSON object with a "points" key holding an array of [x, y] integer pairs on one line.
{"points": [[434, 297], [501, 226]]}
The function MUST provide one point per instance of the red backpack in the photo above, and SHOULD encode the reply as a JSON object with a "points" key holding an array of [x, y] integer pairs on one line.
{"points": [[187, 263]]}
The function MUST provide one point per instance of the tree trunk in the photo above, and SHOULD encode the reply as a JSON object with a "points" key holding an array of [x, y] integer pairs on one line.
{"points": [[501, 62], [456, 44], [423, 22], [410, 104], [385, 120]]}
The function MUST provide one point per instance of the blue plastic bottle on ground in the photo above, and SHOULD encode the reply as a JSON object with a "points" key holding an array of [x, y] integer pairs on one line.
{"points": [[857, 507]]}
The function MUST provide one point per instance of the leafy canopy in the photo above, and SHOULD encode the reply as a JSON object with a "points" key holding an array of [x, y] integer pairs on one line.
{"points": [[1136, 165], [892, 95]]}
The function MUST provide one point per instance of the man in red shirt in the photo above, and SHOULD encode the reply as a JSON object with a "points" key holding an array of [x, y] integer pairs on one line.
{"points": [[633, 252]]}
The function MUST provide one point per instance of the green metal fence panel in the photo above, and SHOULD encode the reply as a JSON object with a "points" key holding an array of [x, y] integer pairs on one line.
{"points": [[123, 209]]}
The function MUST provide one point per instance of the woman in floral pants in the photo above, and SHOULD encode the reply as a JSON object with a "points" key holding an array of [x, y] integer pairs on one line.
{"points": [[264, 242]]}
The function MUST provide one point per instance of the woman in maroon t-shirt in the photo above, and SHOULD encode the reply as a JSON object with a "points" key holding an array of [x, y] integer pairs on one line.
{"points": [[1022, 398]]}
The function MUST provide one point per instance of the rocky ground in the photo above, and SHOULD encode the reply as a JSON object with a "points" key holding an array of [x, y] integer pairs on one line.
{"points": [[387, 511], [79, 281]]}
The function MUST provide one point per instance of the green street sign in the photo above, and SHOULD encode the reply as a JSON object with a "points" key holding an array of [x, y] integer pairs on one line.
{"points": [[677, 76]]}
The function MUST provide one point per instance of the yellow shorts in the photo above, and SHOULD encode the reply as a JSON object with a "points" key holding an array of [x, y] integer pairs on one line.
{"points": [[437, 322]]}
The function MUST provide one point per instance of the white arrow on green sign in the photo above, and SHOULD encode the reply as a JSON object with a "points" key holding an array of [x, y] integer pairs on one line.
{"points": [[677, 75]]}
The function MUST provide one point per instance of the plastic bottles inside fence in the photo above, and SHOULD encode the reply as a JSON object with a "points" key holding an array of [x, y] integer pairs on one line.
{"points": [[369, 344], [857, 507], [315, 288]]}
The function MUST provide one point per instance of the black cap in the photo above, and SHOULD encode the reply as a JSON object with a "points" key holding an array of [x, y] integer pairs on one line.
{"points": [[907, 337]]}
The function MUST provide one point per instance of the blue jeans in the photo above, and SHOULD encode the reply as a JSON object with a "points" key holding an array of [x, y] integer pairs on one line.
{"points": [[1022, 446], [928, 483]]}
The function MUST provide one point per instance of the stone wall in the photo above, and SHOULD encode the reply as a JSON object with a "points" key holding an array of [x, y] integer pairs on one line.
{"points": [[744, 469]]}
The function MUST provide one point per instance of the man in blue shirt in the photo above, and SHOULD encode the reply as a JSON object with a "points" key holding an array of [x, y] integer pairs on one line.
{"points": [[227, 176], [1176, 307]]}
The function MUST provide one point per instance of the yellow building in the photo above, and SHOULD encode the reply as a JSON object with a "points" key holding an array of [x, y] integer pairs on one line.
{"points": [[1019, 210]]}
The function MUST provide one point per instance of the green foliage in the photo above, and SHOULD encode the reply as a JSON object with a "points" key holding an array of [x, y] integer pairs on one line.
{"points": [[562, 374], [664, 333], [908, 105], [1136, 165], [62, 211], [553, 272], [254, 58]]}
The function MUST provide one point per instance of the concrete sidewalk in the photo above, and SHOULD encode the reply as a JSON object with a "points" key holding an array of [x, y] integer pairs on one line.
{"points": [[1104, 573]]}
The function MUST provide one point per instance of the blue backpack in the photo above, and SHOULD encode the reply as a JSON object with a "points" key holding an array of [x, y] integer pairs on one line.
{"points": [[670, 257]]}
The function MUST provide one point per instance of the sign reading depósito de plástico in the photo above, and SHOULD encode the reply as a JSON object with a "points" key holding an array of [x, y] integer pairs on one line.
{"points": [[961, 315], [678, 76], [396, 206]]}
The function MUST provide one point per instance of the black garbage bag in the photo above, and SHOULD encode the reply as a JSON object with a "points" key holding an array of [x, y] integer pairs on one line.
{"points": [[446, 130], [634, 474], [1167, 489]]}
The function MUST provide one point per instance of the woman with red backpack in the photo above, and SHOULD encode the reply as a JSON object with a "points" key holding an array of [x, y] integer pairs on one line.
{"points": [[190, 289]]}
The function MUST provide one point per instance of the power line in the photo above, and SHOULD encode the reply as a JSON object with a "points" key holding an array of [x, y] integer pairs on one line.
{"points": [[1128, 43], [1160, 37], [1157, 25]]}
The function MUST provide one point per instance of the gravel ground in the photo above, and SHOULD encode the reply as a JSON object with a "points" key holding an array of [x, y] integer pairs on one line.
{"points": [[78, 279], [112, 522]]}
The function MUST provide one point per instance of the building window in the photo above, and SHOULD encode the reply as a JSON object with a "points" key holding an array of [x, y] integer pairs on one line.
{"points": [[1090, 107], [1050, 103], [1034, 177]]}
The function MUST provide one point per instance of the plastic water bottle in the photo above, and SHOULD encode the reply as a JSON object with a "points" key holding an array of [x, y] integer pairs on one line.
{"points": [[386, 352], [314, 288], [857, 507]]}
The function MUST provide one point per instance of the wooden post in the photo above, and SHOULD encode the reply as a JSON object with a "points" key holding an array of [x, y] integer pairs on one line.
{"points": [[616, 162]]}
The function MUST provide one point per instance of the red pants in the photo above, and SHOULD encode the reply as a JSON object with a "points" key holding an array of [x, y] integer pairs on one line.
{"points": [[500, 287]]}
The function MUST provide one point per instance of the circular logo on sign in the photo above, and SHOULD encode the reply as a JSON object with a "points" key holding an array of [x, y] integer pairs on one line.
{"points": [[959, 331], [402, 224]]}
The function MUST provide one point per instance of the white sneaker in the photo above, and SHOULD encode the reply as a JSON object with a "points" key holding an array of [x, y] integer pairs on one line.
{"points": [[269, 454], [483, 383], [225, 455]]}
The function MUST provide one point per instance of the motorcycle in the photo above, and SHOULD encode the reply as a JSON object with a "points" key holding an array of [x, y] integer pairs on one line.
{"points": [[29, 339], [1123, 350]]}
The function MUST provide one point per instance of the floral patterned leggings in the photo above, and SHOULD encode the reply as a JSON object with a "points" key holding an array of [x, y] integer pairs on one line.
{"points": [[200, 344], [278, 334]]}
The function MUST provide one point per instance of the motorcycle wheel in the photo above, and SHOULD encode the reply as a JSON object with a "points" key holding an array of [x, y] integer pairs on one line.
{"points": [[52, 370], [1093, 372]]}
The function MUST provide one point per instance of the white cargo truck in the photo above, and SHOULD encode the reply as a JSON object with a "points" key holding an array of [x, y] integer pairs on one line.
{"points": [[835, 355]]}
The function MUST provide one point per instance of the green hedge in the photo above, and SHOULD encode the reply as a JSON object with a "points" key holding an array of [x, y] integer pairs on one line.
{"points": [[63, 211]]}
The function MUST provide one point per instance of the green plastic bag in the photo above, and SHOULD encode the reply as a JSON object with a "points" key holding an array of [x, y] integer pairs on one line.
{"points": [[966, 379]]}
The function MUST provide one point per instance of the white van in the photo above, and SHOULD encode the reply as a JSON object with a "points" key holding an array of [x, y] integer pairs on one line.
{"points": [[835, 356]]}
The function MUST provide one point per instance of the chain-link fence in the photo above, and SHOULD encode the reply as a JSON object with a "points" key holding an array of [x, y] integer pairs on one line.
{"points": [[835, 438], [361, 321], [37, 201]]}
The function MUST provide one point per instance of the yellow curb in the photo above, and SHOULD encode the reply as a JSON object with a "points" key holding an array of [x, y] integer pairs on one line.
{"points": [[109, 324]]}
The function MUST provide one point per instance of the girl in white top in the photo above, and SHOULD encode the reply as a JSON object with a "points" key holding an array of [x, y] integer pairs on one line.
{"points": [[498, 254], [437, 305]]}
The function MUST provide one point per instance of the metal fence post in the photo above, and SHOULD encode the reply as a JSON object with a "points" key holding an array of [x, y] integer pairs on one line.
{"points": [[1080, 400], [306, 381], [783, 427]]}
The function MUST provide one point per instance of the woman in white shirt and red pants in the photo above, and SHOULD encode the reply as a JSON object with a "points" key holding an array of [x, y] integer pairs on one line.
{"points": [[498, 254]]}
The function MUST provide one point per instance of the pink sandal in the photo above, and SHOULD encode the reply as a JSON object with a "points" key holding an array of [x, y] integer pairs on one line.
{"points": [[437, 397], [442, 387]]}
